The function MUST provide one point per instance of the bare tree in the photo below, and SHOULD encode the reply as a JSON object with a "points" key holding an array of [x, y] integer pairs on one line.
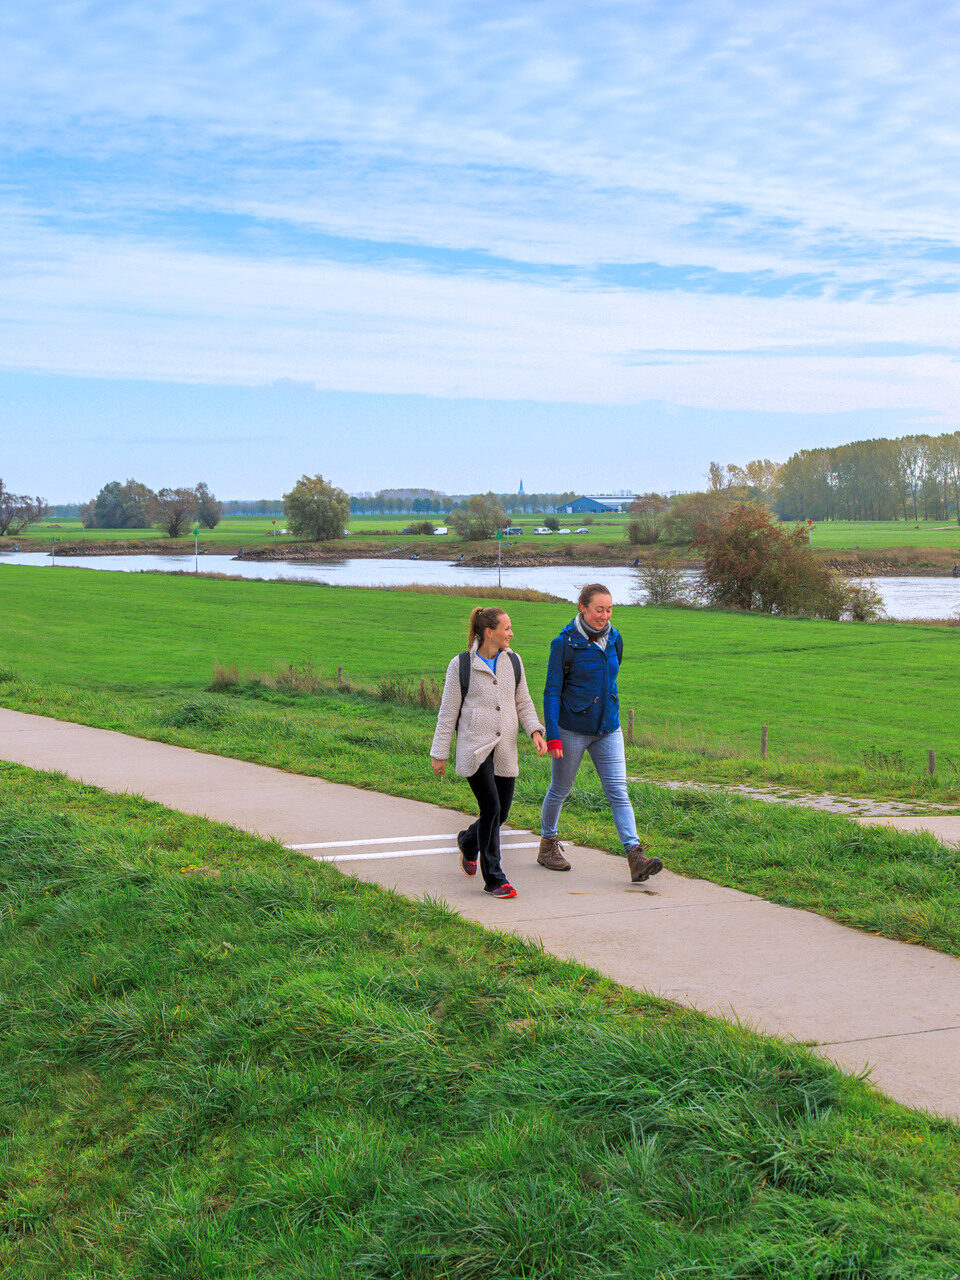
{"points": [[17, 510], [174, 509]]}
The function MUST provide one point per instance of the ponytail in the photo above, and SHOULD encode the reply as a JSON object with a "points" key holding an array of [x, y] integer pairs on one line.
{"points": [[480, 621]]}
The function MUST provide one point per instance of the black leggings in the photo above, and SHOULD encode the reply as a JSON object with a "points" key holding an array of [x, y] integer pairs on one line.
{"points": [[494, 797]]}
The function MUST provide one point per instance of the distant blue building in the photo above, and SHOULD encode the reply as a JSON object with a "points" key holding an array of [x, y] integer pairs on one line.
{"points": [[580, 505]]}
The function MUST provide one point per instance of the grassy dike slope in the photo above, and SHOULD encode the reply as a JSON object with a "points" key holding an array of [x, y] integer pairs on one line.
{"points": [[221, 1060], [701, 683]]}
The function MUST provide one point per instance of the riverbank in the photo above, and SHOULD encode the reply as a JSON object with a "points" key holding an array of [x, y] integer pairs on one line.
{"points": [[923, 562]]}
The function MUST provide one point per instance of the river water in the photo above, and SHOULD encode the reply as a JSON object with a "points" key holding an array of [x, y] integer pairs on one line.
{"points": [[902, 597]]}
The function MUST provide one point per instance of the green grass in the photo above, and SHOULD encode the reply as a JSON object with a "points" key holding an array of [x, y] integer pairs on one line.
{"points": [[221, 1060], [848, 706], [826, 535], [137, 654], [869, 535], [902, 886]]}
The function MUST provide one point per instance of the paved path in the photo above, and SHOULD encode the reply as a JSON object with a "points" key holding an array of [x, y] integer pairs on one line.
{"points": [[863, 1000]]}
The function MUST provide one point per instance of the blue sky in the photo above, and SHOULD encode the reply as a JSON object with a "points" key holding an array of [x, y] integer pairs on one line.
{"points": [[457, 244]]}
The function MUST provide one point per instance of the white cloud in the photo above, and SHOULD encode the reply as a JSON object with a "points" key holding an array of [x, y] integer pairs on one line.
{"points": [[809, 139], [133, 311]]}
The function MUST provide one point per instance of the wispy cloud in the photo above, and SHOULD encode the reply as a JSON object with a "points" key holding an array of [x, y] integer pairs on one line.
{"points": [[728, 205]]}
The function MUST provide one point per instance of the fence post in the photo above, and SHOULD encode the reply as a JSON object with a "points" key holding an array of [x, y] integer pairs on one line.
{"points": [[339, 677], [932, 762], [630, 727], [763, 743]]}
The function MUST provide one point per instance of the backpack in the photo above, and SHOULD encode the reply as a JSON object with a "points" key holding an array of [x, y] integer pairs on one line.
{"points": [[465, 660]]}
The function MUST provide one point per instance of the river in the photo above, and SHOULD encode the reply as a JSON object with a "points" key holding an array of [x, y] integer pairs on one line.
{"points": [[902, 597]]}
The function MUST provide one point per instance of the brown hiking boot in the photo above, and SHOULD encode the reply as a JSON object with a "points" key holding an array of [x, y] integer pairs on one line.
{"points": [[642, 867], [551, 856]]}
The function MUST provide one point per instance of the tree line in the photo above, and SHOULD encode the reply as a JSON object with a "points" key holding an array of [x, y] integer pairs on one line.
{"points": [[911, 478], [132, 505]]}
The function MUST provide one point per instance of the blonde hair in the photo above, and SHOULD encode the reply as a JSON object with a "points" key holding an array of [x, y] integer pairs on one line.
{"points": [[481, 620]]}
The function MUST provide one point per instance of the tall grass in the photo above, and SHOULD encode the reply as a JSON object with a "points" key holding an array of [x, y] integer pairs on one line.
{"points": [[220, 1060]]}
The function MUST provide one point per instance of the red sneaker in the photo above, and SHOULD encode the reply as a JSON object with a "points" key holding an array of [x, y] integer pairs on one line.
{"points": [[468, 865], [502, 891]]}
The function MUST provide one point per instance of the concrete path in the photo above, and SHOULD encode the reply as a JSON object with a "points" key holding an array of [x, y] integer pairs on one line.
{"points": [[865, 1001]]}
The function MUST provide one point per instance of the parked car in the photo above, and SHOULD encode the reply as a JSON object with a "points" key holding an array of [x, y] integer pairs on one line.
{"points": [[441, 528], [563, 531], [541, 529], [512, 531], [583, 529]]}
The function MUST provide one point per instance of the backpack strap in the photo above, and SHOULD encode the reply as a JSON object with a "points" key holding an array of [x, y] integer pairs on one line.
{"points": [[464, 661], [567, 659], [517, 668], [618, 646]]}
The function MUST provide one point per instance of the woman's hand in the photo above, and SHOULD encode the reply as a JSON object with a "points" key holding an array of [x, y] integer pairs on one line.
{"points": [[539, 743], [439, 767], [556, 753]]}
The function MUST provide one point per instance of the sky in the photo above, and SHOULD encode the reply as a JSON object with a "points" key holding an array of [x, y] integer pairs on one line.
{"points": [[457, 245]]}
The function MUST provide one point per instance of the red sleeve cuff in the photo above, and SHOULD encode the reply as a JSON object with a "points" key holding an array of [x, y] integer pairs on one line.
{"points": [[554, 744]]}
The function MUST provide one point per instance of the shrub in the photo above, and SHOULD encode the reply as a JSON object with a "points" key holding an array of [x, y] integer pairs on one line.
{"points": [[643, 532], [690, 514], [422, 526], [863, 602], [751, 562], [551, 522], [663, 583]]}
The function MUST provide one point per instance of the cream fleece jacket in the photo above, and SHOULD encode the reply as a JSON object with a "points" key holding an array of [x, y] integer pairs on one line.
{"points": [[493, 710]]}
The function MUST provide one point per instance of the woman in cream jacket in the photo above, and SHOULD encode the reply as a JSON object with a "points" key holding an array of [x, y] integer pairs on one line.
{"points": [[486, 722]]}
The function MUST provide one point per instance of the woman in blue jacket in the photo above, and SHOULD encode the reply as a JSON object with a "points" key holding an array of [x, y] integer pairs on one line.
{"points": [[582, 714]]}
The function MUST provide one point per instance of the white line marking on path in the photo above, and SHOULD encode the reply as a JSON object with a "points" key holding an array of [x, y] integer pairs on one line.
{"points": [[405, 853], [349, 844]]}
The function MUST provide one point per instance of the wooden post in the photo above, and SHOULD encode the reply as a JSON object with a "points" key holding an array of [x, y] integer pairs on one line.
{"points": [[339, 677], [932, 762], [763, 743], [630, 727]]}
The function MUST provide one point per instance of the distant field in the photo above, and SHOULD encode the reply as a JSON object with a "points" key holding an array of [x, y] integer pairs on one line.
{"points": [[244, 530], [868, 535], [837, 535]]}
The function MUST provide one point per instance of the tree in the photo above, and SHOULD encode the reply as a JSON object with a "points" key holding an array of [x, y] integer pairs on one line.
{"points": [[17, 510], [173, 509], [750, 562], [479, 517], [691, 512], [209, 510], [316, 510], [121, 506]]}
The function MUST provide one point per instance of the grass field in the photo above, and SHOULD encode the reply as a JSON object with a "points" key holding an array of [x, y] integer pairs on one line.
{"points": [[859, 703], [220, 1060], [136, 653], [835, 535]]}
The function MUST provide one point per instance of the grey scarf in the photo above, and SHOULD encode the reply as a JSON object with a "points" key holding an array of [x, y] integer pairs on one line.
{"points": [[597, 637]]}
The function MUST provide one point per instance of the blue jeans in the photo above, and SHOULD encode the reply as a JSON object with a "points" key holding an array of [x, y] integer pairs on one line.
{"points": [[610, 763]]}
